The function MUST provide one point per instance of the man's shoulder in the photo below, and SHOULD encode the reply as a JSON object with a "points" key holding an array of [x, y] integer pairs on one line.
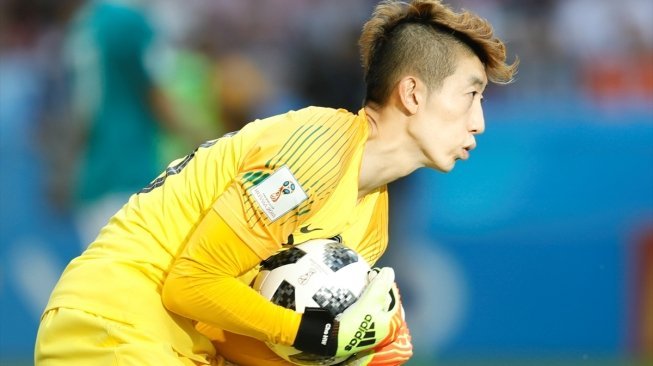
{"points": [[321, 116], [317, 110]]}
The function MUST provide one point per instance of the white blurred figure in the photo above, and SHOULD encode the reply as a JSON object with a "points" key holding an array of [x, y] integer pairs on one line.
{"points": [[612, 41]]}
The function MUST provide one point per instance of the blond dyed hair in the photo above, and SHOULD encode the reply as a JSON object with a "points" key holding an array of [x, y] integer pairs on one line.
{"points": [[425, 37]]}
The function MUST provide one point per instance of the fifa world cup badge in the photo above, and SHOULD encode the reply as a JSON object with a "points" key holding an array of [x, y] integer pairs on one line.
{"points": [[278, 194]]}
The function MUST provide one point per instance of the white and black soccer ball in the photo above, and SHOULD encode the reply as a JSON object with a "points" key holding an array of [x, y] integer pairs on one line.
{"points": [[320, 273]]}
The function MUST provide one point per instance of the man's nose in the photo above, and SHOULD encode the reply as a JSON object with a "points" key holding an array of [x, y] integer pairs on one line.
{"points": [[477, 122]]}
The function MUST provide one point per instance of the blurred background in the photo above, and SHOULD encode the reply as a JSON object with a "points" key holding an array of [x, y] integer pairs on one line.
{"points": [[538, 251]]}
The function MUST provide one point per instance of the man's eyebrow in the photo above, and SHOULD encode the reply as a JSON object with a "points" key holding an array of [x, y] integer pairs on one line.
{"points": [[475, 80]]}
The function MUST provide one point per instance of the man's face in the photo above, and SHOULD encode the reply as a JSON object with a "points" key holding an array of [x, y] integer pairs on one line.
{"points": [[444, 129]]}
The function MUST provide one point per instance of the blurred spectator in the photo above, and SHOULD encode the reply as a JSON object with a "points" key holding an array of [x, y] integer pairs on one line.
{"points": [[612, 45]]}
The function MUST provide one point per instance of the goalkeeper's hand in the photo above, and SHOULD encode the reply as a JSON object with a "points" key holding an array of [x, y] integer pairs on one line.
{"points": [[365, 324], [394, 354]]}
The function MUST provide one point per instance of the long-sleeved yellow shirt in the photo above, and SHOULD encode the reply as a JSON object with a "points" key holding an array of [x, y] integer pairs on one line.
{"points": [[183, 249]]}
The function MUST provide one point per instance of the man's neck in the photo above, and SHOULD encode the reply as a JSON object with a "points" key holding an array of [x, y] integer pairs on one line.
{"points": [[389, 153]]}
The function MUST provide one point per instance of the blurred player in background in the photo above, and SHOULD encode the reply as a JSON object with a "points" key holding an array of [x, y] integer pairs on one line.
{"points": [[119, 108], [166, 281]]}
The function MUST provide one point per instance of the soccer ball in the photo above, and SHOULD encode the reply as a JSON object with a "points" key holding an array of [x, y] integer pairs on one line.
{"points": [[320, 273]]}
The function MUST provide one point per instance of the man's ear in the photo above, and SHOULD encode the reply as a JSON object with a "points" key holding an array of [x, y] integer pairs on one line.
{"points": [[409, 94]]}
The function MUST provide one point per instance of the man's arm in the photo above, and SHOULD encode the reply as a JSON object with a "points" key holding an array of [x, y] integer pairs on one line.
{"points": [[202, 285]]}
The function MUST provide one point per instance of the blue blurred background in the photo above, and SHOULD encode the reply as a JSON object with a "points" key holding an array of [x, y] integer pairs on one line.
{"points": [[537, 251]]}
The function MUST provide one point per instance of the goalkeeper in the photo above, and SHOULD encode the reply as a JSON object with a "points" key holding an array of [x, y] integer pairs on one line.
{"points": [[166, 280]]}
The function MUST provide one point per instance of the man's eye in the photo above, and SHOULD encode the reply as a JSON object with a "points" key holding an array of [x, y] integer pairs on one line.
{"points": [[475, 93]]}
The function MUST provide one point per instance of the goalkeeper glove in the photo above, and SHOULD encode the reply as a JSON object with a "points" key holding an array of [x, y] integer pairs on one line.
{"points": [[394, 354], [364, 325]]}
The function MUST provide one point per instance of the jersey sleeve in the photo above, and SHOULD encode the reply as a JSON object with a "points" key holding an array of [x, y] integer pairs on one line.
{"points": [[288, 175], [203, 285]]}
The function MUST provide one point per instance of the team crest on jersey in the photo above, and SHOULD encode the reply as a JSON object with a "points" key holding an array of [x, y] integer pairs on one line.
{"points": [[278, 194]]}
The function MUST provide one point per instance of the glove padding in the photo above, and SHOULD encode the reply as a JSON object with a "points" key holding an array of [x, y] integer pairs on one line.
{"points": [[365, 324], [396, 353]]}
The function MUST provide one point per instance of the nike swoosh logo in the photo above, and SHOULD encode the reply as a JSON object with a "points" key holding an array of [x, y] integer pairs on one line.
{"points": [[306, 229]]}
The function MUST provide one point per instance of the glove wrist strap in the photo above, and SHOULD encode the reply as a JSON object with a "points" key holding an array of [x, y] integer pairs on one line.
{"points": [[318, 332]]}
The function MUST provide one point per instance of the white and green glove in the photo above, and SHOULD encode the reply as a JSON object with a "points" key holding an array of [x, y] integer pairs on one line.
{"points": [[365, 324], [394, 354]]}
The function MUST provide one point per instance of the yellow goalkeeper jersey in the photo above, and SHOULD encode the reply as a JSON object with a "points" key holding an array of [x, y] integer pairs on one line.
{"points": [[277, 182]]}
